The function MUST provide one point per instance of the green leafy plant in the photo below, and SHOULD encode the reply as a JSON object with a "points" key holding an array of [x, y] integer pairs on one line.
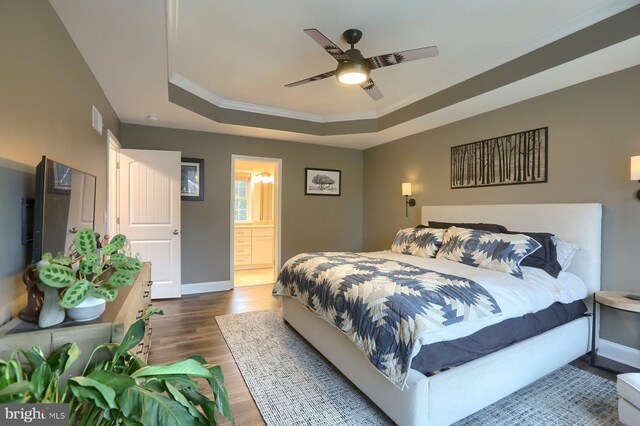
{"points": [[86, 271], [121, 389]]}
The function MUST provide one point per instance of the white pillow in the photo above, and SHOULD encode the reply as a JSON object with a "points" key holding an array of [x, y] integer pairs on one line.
{"points": [[565, 251]]}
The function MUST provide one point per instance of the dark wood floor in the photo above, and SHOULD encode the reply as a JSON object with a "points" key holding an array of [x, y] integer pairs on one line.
{"points": [[188, 327]]}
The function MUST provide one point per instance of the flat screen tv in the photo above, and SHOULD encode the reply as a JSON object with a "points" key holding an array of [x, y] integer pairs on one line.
{"points": [[64, 203]]}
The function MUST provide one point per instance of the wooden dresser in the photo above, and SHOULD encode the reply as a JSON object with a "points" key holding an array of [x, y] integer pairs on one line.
{"points": [[110, 327]]}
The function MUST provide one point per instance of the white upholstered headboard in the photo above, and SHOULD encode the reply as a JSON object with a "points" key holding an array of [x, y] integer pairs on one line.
{"points": [[577, 223]]}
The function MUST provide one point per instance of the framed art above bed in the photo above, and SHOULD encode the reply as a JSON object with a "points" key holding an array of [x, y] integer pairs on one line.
{"points": [[512, 159]]}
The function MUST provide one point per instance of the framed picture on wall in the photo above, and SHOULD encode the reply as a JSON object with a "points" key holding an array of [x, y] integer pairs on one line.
{"points": [[192, 179], [322, 182]]}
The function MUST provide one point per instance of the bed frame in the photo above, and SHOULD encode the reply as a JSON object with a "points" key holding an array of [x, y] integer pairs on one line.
{"points": [[454, 394]]}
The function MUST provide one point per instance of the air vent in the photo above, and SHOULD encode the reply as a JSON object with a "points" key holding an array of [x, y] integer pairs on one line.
{"points": [[96, 119]]}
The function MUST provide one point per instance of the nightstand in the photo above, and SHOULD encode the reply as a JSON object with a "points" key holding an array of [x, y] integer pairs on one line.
{"points": [[614, 300]]}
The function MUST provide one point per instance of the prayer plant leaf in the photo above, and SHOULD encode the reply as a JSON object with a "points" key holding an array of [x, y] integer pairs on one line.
{"points": [[116, 243], [85, 242], [75, 294], [88, 264], [121, 279], [56, 276], [104, 291]]}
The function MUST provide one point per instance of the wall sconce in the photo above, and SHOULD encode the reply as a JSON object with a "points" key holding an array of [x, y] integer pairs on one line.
{"points": [[406, 191], [635, 171]]}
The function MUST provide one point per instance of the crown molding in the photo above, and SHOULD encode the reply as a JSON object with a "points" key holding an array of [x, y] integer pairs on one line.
{"points": [[557, 32]]}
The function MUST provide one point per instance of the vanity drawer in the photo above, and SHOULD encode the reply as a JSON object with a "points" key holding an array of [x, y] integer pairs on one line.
{"points": [[242, 232], [242, 250], [242, 260], [262, 232], [242, 241]]}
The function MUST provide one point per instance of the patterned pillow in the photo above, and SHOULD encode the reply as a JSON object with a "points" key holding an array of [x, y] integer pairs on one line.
{"points": [[427, 242], [488, 250], [403, 241], [423, 242]]}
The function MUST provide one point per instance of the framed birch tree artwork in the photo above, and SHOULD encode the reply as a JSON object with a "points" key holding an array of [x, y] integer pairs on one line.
{"points": [[517, 158]]}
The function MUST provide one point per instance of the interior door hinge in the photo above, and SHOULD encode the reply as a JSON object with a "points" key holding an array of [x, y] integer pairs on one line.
{"points": [[118, 221], [118, 165]]}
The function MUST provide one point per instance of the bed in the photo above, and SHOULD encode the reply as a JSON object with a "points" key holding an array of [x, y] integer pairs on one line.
{"points": [[453, 394]]}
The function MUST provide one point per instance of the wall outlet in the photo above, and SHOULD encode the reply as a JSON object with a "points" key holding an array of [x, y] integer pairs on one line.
{"points": [[96, 119]]}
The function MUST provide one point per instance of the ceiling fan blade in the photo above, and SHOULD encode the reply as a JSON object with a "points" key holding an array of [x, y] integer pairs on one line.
{"points": [[310, 79], [372, 90], [331, 48], [395, 58]]}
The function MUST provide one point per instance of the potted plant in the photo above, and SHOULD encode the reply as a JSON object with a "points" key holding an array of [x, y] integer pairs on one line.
{"points": [[82, 281], [119, 390]]}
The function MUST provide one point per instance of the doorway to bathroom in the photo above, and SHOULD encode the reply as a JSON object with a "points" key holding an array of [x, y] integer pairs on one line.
{"points": [[255, 219]]}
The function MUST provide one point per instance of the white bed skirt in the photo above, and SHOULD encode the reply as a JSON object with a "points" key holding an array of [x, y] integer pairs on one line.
{"points": [[451, 395]]}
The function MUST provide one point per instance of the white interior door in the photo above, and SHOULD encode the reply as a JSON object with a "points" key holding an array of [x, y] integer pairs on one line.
{"points": [[150, 214], [113, 157]]}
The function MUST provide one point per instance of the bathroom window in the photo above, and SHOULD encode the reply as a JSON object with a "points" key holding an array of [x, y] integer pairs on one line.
{"points": [[241, 200]]}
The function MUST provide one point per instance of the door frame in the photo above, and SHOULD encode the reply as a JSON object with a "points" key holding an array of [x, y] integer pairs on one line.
{"points": [[278, 204], [113, 176]]}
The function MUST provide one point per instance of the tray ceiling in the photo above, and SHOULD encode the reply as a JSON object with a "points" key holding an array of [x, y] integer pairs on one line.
{"points": [[221, 66]]}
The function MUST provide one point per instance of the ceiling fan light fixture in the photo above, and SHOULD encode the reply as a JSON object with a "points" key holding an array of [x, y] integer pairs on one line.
{"points": [[352, 72]]}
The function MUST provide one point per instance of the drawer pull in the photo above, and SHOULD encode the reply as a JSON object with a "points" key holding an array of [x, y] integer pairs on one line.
{"points": [[149, 283], [146, 294], [150, 331], [139, 315]]}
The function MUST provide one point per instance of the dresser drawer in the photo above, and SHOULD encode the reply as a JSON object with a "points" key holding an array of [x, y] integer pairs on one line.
{"points": [[242, 260], [242, 232], [242, 250], [242, 241], [262, 232]]}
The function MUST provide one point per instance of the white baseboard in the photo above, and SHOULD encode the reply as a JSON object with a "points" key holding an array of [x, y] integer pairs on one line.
{"points": [[197, 288], [620, 353]]}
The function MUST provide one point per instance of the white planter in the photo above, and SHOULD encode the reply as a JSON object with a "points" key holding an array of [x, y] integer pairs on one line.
{"points": [[90, 309]]}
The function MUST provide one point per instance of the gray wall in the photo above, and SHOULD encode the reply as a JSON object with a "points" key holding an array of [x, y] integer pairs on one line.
{"points": [[46, 93], [593, 130], [309, 223]]}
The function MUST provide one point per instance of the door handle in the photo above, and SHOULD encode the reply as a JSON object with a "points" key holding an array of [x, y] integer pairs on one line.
{"points": [[175, 232], [73, 230]]}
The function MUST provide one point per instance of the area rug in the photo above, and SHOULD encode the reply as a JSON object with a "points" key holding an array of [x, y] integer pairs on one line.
{"points": [[293, 384]]}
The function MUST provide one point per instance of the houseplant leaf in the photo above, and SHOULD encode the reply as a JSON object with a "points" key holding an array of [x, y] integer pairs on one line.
{"points": [[117, 382], [116, 243], [222, 399], [134, 335], [188, 366], [180, 399], [62, 359], [85, 388], [14, 389], [121, 279], [131, 264], [104, 291], [85, 242], [217, 385], [34, 356], [151, 408], [75, 294], [56, 276], [39, 381], [208, 406], [88, 264]]}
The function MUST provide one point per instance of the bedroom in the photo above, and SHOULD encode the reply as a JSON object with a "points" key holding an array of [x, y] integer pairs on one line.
{"points": [[71, 59]]}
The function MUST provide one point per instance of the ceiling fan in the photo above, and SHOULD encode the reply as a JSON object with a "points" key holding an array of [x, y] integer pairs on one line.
{"points": [[353, 68]]}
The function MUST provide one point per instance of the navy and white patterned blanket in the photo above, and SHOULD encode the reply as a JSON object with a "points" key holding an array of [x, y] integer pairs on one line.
{"points": [[383, 306]]}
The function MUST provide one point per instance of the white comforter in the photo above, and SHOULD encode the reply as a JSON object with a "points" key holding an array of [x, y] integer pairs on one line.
{"points": [[516, 297]]}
